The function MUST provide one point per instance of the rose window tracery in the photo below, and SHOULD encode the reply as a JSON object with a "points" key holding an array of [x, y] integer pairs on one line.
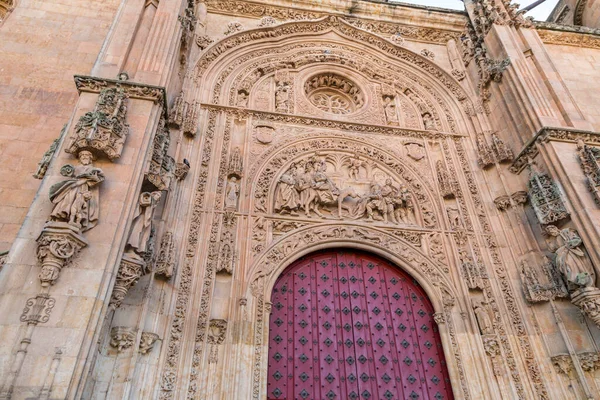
{"points": [[334, 93]]}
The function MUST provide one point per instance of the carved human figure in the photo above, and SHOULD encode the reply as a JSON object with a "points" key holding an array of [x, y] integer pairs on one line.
{"points": [[287, 199], [354, 168], [428, 123], [389, 108], [375, 201], [304, 186], [570, 258], [404, 209], [454, 217], [389, 194], [482, 314], [325, 189], [282, 96], [141, 227], [226, 256], [242, 99], [76, 199], [232, 193]]}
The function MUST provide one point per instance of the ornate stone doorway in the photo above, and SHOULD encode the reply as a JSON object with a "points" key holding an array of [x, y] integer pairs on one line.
{"points": [[349, 325]]}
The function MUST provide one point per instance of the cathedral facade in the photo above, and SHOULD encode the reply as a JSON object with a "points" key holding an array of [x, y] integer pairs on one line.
{"points": [[338, 199]]}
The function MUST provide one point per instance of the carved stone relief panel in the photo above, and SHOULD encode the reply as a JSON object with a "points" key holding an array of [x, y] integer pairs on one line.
{"points": [[334, 92], [343, 179], [341, 185]]}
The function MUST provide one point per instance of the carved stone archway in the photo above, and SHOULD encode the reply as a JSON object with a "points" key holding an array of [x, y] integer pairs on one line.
{"points": [[356, 326], [433, 279]]}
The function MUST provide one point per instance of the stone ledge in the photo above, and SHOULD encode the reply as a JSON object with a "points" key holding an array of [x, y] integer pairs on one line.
{"points": [[329, 123], [547, 134], [134, 90]]}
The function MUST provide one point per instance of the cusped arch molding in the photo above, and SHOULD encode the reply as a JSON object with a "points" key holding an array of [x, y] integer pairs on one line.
{"points": [[431, 276], [417, 95], [227, 50], [349, 178]]}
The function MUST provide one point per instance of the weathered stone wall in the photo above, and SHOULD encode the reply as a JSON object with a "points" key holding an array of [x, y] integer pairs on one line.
{"points": [[578, 68], [304, 126], [43, 44]]}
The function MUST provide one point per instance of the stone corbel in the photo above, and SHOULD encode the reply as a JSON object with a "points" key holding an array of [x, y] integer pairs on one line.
{"points": [[58, 243], [122, 337], [182, 169], [588, 301], [147, 342], [130, 270]]}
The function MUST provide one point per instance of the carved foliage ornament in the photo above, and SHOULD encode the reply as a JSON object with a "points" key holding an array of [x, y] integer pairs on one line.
{"points": [[306, 238], [165, 262], [103, 131], [334, 93], [240, 7], [589, 157], [545, 197], [122, 337], [162, 166], [321, 25]]}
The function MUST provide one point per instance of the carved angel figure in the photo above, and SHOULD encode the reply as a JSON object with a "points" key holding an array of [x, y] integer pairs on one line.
{"points": [[142, 223], [76, 199], [570, 258]]}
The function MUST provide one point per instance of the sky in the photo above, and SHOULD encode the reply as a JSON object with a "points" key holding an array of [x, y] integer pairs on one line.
{"points": [[540, 13]]}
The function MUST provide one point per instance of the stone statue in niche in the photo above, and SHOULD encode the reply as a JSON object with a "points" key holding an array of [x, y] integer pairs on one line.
{"points": [[428, 122], [454, 217], [282, 96], [141, 227], [307, 186], [484, 320], [242, 98], [283, 88], [570, 258], [389, 108], [76, 199], [232, 193]]}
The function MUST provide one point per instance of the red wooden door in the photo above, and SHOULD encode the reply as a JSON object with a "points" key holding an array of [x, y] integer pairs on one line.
{"points": [[349, 325]]}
